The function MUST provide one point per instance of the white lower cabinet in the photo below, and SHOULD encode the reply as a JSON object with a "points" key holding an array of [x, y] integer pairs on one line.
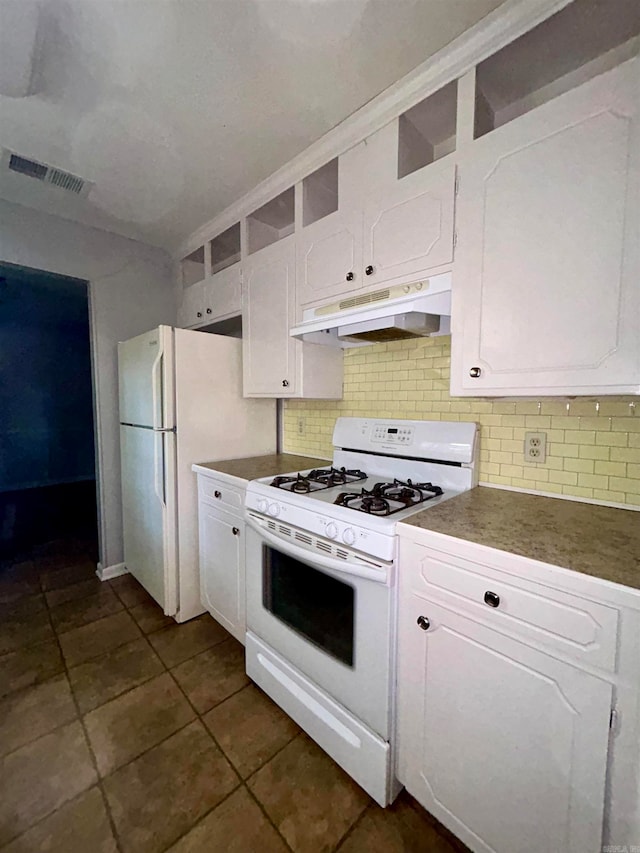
{"points": [[222, 567], [501, 740]]}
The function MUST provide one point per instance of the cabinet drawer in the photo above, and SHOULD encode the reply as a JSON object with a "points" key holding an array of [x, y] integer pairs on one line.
{"points": [[217, 493], [584, 629]]}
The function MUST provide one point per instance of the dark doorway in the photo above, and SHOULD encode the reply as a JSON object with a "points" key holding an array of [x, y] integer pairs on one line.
{"points": [[47, 458]]}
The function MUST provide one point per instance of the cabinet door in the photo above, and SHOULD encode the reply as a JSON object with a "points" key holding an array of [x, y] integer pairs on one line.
{"points": [[191, 307], [547, 263], [222, 581], [408, 222], [222, 294], [269, 353], [330, 249], [505, 745]]}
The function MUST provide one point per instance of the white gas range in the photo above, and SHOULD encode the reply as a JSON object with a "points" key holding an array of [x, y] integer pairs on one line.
{"points": [[320, 568]]}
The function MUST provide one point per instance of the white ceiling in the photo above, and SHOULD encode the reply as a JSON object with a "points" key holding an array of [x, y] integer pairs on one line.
{"points": [[176, 108]]}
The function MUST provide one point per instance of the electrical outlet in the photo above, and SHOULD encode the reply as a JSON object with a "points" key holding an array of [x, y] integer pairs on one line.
{"points": [[300, 426], [535, 447]]}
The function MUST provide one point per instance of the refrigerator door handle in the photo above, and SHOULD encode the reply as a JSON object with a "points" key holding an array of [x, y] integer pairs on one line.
{"points": [[156, 390], [159, 467]]}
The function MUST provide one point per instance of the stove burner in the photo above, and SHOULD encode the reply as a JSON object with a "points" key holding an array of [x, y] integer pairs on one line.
{"points": [[387, 498], [319, 478]]}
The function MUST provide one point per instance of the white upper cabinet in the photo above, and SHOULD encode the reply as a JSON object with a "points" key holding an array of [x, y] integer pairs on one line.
{"points": [[546, 296], [409, 207], [212, 281], [329, 241], [383, 210], [275, 364]]}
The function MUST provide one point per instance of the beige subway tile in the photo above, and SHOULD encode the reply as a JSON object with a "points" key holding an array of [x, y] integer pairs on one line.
{"points": [[580, 466], [578, 436], [611, 469], [633, 470], [526, 407], [626, 424], [612, 439], [501, 432], [501, 408], [564, 450], [625, 454], [487, 468], [556, 488], [625, 484], [500, 480], [577, 491], [511, 470], [607, 495], [582, 408], [513, 420], [634, 439], [567, 478], [554, 408], [593, 481], [537, 422], [501, 457], [511, 445], [555, 463], [614, 408], [565, 422], [588, 451], [598, 424]]}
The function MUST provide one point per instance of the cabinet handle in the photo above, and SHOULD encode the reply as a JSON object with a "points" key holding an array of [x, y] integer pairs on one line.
{"points": [[235, 530], [217, 494], [369, 270], [285, 383], [475, 372], [208, 310], [492, 599], [424, 623], [349, 276], [199, 314]]}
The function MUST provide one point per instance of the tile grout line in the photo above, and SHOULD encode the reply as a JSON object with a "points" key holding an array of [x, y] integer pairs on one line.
{"points": [[87, 741]]}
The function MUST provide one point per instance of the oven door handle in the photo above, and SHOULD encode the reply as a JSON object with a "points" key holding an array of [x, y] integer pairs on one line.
{"points": [[315, 558]]}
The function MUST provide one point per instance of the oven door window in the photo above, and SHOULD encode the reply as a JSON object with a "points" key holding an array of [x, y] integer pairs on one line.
{"points": [[312, 603]]}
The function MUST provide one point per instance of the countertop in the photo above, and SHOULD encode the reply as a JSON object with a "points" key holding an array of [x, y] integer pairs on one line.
{"points": [[254, 467], [603, 542]]}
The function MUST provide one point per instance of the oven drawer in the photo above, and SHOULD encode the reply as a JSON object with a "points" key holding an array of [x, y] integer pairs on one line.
{"points": [[219, 493], [583, 629], [360, 752]]}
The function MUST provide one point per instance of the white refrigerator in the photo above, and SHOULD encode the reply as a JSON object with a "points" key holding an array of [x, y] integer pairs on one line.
{"points": [[180, 395]]}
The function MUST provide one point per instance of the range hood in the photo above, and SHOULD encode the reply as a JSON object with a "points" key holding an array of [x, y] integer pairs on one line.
{"points": [[393, 313]]}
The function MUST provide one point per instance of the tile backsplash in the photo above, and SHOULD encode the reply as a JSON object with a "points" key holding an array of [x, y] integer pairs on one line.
{"points": [[591, 453]]}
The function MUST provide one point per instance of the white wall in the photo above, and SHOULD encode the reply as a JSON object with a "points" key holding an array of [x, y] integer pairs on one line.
{"points": [[131, 291]]}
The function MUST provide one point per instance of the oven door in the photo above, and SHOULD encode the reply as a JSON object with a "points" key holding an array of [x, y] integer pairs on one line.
{"points": [[325, 618]]}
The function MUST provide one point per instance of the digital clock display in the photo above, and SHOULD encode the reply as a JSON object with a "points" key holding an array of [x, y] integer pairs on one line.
{"points": [[392, 430]]}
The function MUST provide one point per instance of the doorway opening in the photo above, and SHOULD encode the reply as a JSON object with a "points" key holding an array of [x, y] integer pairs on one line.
{"points": [[47, 448]]}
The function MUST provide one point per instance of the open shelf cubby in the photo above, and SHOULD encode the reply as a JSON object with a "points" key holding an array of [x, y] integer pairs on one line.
{"points": [[225, 249], [320, 193], [579, 42], [192, 267], [427, 131], [272, 222]]}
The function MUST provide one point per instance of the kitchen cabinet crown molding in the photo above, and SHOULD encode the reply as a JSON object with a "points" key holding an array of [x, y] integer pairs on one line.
{"points": [[508, 22]]}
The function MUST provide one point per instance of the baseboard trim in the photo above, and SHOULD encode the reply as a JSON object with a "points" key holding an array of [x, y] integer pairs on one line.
{"points": [[107, 573]]}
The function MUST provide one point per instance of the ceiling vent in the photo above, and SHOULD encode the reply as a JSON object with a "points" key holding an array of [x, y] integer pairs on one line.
{"points": [[45, 173]]}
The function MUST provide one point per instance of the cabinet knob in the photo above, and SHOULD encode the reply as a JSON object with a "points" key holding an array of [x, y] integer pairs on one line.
{"points": [[475, 372], [492, 599], [349, 276], [208, 310], [424, 623], [285, 383], [235, 530], [199, 314], [217, 494], [369, 270]]}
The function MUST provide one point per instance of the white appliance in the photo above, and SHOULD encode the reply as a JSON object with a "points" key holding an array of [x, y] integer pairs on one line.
{"points": [[419, 309], [180, 402], [321, 581]]}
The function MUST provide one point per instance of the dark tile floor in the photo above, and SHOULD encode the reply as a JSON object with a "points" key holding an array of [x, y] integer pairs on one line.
{"points": [[123, 731]]}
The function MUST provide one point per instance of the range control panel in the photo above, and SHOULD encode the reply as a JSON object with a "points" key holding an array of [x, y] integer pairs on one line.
{"points": [[392, 434]]}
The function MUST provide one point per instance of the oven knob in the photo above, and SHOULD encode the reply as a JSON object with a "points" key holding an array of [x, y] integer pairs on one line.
{"points": [[349, 536], [331, 530], [274, 510], [262, 505]]}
